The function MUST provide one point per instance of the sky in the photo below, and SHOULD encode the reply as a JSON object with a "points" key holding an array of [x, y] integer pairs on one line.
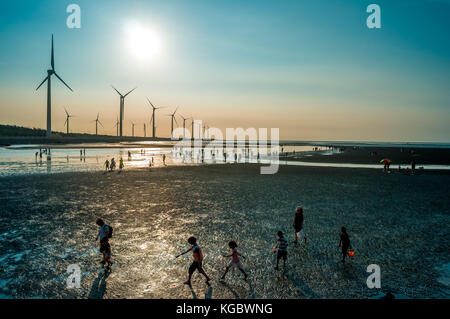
{"points": [[311, 68]]}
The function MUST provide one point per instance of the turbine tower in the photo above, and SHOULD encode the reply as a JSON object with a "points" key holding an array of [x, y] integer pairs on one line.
{"points": [[145, 130], [132, 129], [68, 116], [97, 121], [51, 72], [122, 106], [172, 117], [153, 119], [117, 126], [184, 124]]}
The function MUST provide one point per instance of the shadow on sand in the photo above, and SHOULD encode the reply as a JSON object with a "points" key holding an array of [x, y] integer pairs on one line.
{"points": [[98, 287]]}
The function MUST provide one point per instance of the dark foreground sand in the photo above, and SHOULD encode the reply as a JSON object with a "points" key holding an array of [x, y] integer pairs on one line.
{"points": [[397, 221], [373, 155]]}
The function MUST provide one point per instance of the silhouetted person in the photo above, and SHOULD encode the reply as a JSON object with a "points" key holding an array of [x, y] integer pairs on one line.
{"points": [[198, 259], [104, 234], [344, 242], [235, 261], [281, 249], [298, 225]]}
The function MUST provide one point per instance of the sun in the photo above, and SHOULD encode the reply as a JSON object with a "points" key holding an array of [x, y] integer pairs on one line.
{"points": [[143, 42]]}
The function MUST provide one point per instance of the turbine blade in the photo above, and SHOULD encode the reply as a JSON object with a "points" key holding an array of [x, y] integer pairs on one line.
{"points": [[151, 118], [116, 90], [65, 122], [67, 113], [151, 103], [52, 59], [63, 81], [130, 91], [42, 82], [100, 123], [175, 120]]}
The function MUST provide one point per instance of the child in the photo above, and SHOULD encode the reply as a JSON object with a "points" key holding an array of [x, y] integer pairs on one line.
{"points": [[235, 262], [107, 165], [198, 259], [281, 247], [344, 242], [105, 247], [121, 163]]}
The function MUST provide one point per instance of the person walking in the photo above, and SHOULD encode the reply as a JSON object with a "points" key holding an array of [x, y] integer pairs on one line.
{"points": [[104, 233], [197, 262], [281, 249], [235, 261], [344, 242], [298, 225]]}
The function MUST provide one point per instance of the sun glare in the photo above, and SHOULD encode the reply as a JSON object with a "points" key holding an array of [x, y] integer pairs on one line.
{"points": [[143, 42]]}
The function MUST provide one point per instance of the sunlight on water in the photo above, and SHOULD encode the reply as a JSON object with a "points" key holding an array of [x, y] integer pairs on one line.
{"points": [[25, 159]]}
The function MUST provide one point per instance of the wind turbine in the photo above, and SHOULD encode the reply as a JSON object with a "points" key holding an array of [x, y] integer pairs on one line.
{"points": [[132, 128], [122, 106], [145, 130], [68, 116], [172, 119], [51, 72], [117, 126], [184, 124], [204, 130], [97, 121], [153, 119]]}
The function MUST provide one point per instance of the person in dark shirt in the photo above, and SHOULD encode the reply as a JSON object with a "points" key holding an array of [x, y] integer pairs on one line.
{"points": [[198, 259], [281, 248], [298, 225], [344, 242], [105, 247]]}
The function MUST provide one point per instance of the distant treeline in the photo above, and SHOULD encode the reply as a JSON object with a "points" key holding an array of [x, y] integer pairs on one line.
{"points": [[13, 130]]}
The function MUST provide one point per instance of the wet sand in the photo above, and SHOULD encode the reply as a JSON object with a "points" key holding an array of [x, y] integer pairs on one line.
{"points": [[397, 221], [373, 155]]}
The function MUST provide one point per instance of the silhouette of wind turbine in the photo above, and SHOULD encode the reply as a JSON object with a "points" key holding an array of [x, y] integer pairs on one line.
{"points": [[171, 122], [184, 124], [117, 126], [153, 119], [145, 130], [66, 123], [122, 106], [51, 72], [97, 121], [132, 129]]}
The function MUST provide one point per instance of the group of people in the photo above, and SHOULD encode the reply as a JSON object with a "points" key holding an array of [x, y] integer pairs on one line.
{"points": [[197, 264], [111, 166]]}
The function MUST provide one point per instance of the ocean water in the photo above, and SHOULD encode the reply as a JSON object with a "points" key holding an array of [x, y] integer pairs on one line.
{"points": [[22, 159]]}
